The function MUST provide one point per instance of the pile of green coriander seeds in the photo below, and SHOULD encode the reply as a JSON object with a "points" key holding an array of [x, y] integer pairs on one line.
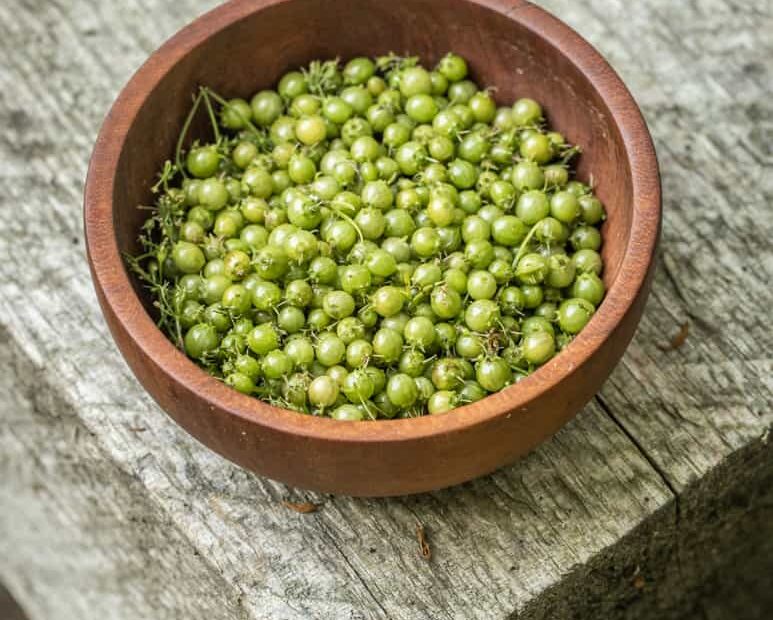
{"points": [[371, 240]]}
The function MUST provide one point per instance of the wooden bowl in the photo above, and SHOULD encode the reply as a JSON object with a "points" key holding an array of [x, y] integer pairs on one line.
{"points": [[245, 45]]}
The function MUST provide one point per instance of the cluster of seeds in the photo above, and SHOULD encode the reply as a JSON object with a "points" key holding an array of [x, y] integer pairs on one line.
{"points": [[373, 241]]}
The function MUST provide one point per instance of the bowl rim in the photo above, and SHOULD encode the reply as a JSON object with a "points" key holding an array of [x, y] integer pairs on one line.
{"points": [[119, 297]]}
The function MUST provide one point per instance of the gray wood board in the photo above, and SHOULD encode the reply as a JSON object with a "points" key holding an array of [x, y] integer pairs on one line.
{"points": [[97, 480]]}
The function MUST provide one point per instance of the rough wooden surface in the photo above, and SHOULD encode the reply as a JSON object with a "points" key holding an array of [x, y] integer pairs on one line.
{"points": [[108, 510]]}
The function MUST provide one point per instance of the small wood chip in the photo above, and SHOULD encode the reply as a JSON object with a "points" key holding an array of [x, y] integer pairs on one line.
{"points": [[424, 547], [678, 340], [137, 429], [218, 509], [301, 507]]}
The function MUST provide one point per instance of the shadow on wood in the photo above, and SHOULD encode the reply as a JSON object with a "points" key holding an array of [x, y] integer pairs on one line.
{"points": [[706, 555], [9, 609]]}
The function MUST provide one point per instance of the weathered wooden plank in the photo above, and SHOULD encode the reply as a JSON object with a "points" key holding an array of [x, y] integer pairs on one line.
{"points": [[702, 72], [72, 522], [500, 544], [497, 542], [710, 560]]}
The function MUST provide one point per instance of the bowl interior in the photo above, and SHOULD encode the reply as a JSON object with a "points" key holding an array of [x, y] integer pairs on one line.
{"points": [[252, 54]]}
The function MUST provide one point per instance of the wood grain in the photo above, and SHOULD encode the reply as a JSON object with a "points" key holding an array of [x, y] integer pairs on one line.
{"points": [[80, 537], [705, 99], [555, 536]]}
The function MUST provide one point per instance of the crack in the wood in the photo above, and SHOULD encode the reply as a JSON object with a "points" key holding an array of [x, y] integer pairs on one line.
{"points": [[61, 411], [356, 573], [683, 297], [506, 492], [647, 457], [656, 468]]}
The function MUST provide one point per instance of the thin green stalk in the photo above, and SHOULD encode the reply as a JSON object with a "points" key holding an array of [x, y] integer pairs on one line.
{"points": [[224, 103], [350, 220], [211, 112], [524, 245], [183, 134]]}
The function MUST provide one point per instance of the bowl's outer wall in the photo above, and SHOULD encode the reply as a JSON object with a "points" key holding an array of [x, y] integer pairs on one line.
{"points": [[244, 46]]}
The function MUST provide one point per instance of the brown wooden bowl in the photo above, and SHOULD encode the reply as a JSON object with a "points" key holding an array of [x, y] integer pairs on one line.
{"points": [[246, 45]]}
